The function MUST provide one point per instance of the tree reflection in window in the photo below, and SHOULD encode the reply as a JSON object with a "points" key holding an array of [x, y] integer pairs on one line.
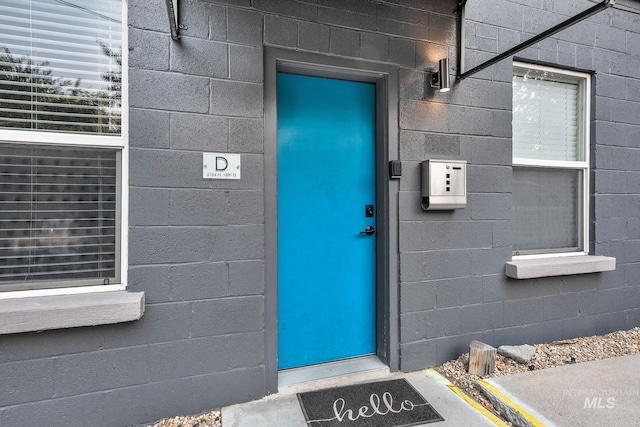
{"points": [[32, 98], [61, 66]]}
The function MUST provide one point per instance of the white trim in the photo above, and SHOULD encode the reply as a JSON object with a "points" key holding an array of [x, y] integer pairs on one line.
{"points": [[124, 131], [59, 138], [586, 128], [519, 161], [552, 70], [73, 290], [548, 255]]}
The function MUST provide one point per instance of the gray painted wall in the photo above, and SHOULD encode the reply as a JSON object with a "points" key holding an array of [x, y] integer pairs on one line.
{"points": [[197, 247], [452, 265]]}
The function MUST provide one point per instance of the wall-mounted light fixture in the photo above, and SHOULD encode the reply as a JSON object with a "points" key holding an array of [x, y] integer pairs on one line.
{"points": [[440, 79]]}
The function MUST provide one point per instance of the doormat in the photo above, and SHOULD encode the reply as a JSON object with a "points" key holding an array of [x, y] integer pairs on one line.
{"points": [[392, 403]]}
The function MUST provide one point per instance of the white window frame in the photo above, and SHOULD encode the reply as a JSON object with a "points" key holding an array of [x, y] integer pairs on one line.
{"points": [[115, 142], [584, 151]]}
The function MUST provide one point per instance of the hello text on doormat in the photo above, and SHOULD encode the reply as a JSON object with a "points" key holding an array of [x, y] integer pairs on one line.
{"points": [[393, 403]]}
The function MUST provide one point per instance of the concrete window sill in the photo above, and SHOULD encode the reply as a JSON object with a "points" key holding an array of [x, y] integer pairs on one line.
{"points": [[69, 311], [558, 266]]}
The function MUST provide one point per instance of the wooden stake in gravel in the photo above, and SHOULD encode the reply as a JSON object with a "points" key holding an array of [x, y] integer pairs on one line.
{"points": [[482, 358]]}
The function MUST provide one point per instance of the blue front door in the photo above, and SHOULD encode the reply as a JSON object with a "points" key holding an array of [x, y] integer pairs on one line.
{"points": [[326, 200]]}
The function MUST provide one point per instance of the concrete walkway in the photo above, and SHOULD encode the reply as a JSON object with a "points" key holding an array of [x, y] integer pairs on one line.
{"points": [[283, 410], [600, 393]]}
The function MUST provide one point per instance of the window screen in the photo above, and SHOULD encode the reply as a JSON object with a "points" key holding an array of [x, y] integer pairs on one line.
{"points": [[57, 214], [547, 208], [60, 65]]}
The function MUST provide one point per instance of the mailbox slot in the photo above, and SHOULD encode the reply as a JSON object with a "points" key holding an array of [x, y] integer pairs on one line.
{"points": [[444, 184]]}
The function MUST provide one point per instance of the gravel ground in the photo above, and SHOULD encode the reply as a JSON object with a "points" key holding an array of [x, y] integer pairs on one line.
{"points": [[210, 419], [547, 355]]}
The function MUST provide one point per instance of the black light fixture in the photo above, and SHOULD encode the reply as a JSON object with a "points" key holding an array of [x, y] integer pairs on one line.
{"points": [[440, 79]]}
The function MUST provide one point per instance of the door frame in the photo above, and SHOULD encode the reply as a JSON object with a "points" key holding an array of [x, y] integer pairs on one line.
{"points": [[385, 77]]}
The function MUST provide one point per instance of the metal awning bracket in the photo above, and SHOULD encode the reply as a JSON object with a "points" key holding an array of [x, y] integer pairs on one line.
{"points": [[172, 12], [459, 11]]}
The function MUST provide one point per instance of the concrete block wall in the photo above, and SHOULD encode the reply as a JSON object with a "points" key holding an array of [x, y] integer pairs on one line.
{"points": [[486, 305], [197, 246]]}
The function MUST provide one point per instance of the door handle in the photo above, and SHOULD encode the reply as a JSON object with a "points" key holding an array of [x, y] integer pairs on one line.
{"points": [[369, 230]]}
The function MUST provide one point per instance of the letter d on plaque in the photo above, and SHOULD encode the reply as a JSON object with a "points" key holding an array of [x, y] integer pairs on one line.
{"points": [[221, 166], [221, 163]]}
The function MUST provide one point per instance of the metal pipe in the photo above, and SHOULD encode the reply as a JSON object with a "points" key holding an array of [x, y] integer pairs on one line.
{"points": [[172, 12], [459, 12], [533, 40]]}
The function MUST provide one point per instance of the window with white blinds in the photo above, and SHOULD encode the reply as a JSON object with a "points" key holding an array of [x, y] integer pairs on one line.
{"points": [[62, 143], [545, 119], [57, 214], [550, 160], [60, 65]]}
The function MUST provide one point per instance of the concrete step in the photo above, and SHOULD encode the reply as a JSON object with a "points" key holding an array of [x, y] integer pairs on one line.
{"points": [[333, 374]]}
